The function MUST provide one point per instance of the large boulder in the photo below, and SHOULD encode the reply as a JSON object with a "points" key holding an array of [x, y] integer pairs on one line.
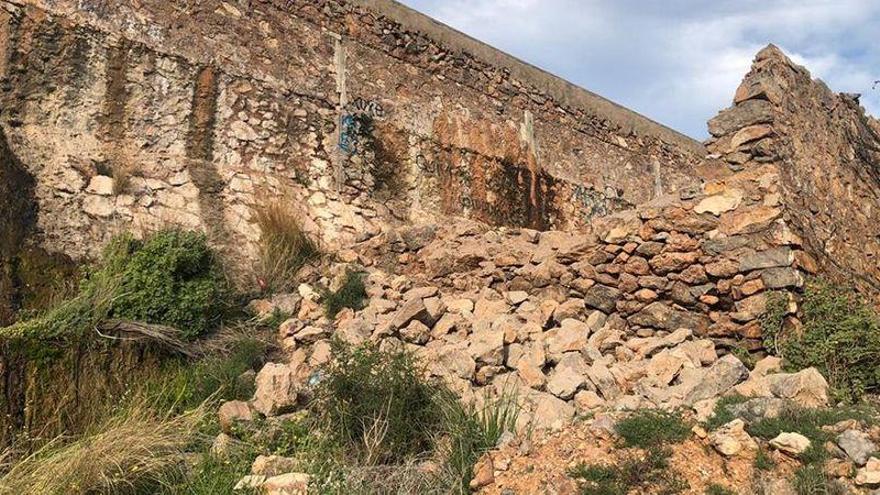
{"points": [[718, 379], [276, 390]]}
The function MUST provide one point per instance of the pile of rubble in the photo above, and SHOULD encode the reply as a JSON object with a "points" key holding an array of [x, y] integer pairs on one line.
{"points": [[641, 312]]}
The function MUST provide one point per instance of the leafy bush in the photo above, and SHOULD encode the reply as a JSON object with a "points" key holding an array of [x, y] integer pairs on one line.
{"points": [[635, 473], [763, 461], [380, 396], [840, 337], [351, 294], [650, 428], [285, 248], [212, 475], [171, 278]]}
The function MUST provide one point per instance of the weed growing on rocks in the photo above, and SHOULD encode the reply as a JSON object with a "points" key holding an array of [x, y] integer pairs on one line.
{"points": [[716, 489], [650, 428], [812, 480], [285, 248], [635, 473], [351, 294]]}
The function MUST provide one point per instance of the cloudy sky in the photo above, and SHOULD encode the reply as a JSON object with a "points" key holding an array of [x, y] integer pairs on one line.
{"points": [[676, 61]]}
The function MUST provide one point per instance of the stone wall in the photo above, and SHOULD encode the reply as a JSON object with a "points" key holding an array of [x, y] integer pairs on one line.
{"points": [[827, 151], [639, 312], [141, 115]]}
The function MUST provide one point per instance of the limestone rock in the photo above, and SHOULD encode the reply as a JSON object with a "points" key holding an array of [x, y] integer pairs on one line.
{"points": [[793, 444], [232, 412], [484, 473], [272, 465], [732, 439], [719, 378], [870, 474], [807, 387], [857, 445], [276, 390], [287, 484]]}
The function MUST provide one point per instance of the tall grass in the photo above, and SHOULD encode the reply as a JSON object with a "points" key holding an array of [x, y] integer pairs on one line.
{"points": [[134, 448], [285, 248]]}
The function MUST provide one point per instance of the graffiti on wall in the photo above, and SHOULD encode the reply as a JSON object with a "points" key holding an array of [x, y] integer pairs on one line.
{"points": [[356, 124]]}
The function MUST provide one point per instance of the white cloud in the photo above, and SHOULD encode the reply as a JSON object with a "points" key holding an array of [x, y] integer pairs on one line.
{"points": [[676, 61]]}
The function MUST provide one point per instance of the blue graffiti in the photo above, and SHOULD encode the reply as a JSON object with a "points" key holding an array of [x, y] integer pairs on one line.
{"points": [[349, 134]]}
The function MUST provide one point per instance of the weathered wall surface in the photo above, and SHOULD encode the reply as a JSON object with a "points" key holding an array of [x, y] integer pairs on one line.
{"points": [[828, 153], [140, 115]]}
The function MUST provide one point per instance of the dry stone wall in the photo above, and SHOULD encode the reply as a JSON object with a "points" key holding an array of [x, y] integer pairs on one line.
{"points": [[827, 152], [641, 311], [362, 114]]}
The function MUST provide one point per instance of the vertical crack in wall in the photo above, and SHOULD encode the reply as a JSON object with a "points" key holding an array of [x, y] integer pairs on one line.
{"points": [[200, 154]]}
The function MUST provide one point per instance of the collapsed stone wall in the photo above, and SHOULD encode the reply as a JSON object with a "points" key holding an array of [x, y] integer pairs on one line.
{"points": [[361, 114], [827, 151], [639, 312]]}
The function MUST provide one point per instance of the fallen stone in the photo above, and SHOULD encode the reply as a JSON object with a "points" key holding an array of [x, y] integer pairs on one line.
{"points": [[287, 484], [807, 387], [484, 473], [870, 474], [718, 379], [857, 445], [232, 412], [276, 390], [793, 444], [602, 297], [272, 465], [732, 439]]}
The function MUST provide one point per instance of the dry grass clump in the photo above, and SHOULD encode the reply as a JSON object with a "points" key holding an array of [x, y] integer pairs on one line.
{"points": [[135, 448], [285, 248]]}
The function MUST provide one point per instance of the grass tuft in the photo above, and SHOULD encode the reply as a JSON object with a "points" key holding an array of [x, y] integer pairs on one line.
{"points": [[634, 473], [284, 249], [351, 294], [651, 428], [134, 449]]}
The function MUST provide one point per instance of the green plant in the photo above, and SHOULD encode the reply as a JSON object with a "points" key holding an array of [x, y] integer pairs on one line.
{"points": [[722, 415], [840, 337], [650, 428], [171, 278], [133, 449], [773, 319], [808, 422], [211, 475], [716, 489], [377, 403], [285, 248], [634, 473], [470, 431], [351, 294], [812, 480], [744, 355], [763, 461]]}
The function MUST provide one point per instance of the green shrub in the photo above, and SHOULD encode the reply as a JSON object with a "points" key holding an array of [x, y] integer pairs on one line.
{"points": [[351, 294], [840, 337], [812, 480], [808, 422], [211, 475], [716, 489], [635, 473], [379, 396], [763, 461], [650, 428], [471, 431], [171, 278], [721, 415], [285, 248]]}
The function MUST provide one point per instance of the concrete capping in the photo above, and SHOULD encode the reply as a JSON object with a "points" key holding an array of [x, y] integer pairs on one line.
{"points": [[565, 92]]}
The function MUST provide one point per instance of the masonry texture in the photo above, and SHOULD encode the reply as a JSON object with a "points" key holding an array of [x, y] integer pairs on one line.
{"points": [[364, 114]]}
